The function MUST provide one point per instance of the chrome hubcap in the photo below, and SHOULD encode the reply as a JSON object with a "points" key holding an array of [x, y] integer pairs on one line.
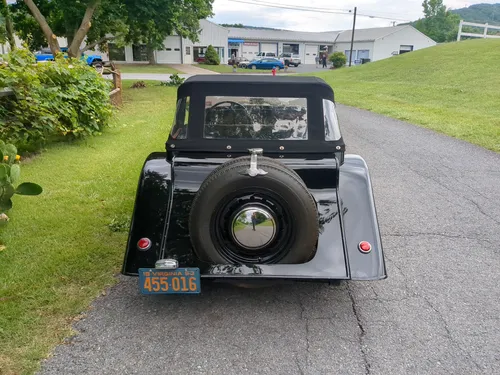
{"points": [[253, 228]]}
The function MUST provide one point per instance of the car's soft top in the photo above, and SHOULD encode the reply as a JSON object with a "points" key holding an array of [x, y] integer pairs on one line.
{"points": [[255, 85]]}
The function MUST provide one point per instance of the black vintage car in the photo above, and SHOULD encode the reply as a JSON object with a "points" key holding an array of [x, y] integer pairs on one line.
{"points": [[254, 185]]}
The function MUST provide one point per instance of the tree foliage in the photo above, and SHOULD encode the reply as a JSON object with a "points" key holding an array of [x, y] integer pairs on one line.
{"points": [[211, 56], [129, 21], [480, 13], [150, 22], [64, 17], [439, 23]]}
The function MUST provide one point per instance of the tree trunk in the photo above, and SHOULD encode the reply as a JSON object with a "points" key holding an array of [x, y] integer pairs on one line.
{"points": [[8, 26], [151, 54], [51, 37], [74, 48]]}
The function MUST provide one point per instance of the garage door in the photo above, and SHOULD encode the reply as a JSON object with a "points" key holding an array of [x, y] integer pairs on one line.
{"points": [[172, 52], [250, 50], [311, 53], [269, 47]]}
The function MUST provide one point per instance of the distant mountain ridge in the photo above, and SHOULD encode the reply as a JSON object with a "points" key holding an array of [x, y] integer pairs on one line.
{"points": [[480, 13]]}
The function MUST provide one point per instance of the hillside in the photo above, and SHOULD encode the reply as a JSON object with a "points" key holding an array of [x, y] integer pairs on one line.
{"points": [[481, 13], [452, 88]]}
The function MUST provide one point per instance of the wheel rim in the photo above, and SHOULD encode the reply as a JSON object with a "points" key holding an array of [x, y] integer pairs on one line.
{"points": [[275, 242]]}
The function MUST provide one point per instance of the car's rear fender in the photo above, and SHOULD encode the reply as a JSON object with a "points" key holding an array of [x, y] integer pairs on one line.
{"points": [[150, 215], [359, 220]]}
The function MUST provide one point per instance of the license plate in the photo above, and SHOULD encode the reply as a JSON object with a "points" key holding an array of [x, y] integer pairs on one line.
{"points": [[169, 281]]}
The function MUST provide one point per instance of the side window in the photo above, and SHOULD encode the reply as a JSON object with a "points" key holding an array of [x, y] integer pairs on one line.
{"points": [[181, 119], [332, 128]]}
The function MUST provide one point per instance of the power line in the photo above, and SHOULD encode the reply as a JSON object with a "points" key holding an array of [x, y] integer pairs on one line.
{"points": [[313, 9], [305, 9]]}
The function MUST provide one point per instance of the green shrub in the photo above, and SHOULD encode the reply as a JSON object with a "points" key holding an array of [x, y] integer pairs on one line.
{"points": [[211, 56], [175, 80], [338, 59], [10, 172], [60, 99]]}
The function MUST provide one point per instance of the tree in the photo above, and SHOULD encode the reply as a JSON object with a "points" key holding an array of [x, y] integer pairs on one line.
{"points": [[439, 23], [150, 22], [92, 20], [211, 56], [126, 21], [7, 21]]}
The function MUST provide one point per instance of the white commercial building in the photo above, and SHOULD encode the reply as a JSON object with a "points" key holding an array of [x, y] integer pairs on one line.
{"points": [[177, 50], [370, 44], [373, 44]]}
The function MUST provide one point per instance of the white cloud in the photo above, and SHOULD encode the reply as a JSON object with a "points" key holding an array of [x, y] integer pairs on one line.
{"points": [[227, 11]]}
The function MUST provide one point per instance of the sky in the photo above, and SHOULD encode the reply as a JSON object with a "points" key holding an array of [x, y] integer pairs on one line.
{"points": [[229, 11]]}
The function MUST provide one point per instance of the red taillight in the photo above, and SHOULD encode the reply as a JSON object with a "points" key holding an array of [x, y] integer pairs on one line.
{"points": [[365, 247], [144, 244]]}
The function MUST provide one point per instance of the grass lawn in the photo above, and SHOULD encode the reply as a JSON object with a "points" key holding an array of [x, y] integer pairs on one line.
{"points": [[144, 68], [452, 88], [224, 68], [60, 253]]}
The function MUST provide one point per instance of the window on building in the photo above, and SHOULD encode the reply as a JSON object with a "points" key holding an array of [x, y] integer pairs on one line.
{"points": [[188, 51], [291, 48], [140, 52], [116, 53], [348, 53], [177, 49], [405, 49]]}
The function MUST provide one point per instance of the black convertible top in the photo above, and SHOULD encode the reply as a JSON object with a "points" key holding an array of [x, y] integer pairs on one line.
{"points": [[256, 85]]}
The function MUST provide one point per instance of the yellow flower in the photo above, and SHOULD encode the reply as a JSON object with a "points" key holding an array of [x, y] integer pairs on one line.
{"points": [[18, 157], [6, 157]]}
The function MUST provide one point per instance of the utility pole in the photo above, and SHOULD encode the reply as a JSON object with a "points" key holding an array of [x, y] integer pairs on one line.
{"points": [[352, 39]]}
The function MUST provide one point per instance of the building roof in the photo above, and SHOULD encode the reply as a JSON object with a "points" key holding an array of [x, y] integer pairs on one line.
{"points": [[368, 35], [327, 37]]}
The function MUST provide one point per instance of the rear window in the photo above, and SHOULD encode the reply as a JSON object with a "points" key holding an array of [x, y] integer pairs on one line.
{"points": [[266, 118], [180, 126]]}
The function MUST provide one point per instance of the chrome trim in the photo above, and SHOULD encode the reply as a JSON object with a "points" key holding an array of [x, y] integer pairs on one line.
{"points": [[248, 233], [167, 264]]}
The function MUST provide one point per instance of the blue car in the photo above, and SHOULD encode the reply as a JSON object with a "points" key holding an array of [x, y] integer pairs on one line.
{"points": [[266, 63], [91, 60]]}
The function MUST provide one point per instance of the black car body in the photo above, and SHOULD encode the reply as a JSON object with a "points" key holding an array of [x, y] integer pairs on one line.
{"points": [[255, 184]]}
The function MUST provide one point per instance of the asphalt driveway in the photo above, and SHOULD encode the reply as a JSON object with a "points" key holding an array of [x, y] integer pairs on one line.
{"points": [[438, 201]]}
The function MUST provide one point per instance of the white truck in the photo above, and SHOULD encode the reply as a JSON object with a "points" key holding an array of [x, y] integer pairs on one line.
{"points": [[290, 59]]}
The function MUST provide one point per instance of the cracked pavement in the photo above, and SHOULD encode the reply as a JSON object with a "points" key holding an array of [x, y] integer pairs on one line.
{"points": [[438, 201]]}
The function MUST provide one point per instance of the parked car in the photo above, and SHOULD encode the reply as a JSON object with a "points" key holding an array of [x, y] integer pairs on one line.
{"points": [[45, 54], [290, 59], [201, 58], [239, 61], [266, 64], [258, 188], [260, 55]]}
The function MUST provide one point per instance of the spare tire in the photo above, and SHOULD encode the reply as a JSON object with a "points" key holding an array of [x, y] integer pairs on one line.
{"points": [[265, 219]]}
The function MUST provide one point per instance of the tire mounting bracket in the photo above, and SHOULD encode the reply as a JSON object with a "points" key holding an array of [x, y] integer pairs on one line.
{"points": [[253, 170]]}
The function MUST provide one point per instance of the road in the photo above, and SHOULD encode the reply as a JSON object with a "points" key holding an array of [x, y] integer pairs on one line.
{"points": [[438, 201], [166, 77]]}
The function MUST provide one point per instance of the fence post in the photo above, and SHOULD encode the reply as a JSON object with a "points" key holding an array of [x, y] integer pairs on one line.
{"points": [[485, 30], [459, 36]]}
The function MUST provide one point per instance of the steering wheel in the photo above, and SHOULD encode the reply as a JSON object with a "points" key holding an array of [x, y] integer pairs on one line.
{"points": [[232, 108]]}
